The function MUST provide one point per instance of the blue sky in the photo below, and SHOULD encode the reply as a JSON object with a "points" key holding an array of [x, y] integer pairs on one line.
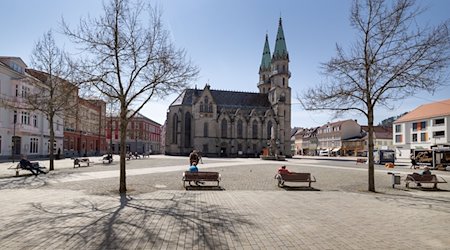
{"points": [[225, 39]]}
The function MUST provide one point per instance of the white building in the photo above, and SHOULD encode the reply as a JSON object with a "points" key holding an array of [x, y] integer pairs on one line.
{"points": [[331, 135], [29, 134], [427, 125]]}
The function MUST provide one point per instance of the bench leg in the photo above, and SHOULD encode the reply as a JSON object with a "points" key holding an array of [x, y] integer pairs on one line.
{"points": [[309, 184], [435, 186]]}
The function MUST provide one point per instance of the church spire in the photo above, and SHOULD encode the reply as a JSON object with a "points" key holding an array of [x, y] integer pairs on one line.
{"points": [[280, 44], [265, 61]]}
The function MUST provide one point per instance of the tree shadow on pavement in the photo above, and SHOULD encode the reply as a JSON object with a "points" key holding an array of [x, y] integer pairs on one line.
{"points": [[23, 181], [165, 219], [299, 188]]}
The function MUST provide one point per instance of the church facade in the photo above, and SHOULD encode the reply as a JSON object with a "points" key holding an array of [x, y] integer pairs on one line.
{"points": [[232, 123]]}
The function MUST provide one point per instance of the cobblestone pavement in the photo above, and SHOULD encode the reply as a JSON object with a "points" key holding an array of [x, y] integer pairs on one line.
{"points": [[80, 209]]}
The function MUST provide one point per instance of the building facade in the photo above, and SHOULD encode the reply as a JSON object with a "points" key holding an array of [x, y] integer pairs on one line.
{"points": [[331, 135], [359, 145], [143, 135], [423, 127], [23, 131], [232, 123]]}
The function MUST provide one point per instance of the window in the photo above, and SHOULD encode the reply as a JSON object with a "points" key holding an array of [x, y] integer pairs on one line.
{"points": [[283, 80], [15, 117], [423, 125], [239, 129], [35, 122], [439, 122], [398, 128], [0, 144], [201, 106], [205, 129], [34, 145], [187, 130], [414, 137], [25, 118], [269, 130], [423, 137], [255, 130], [17, 90], [438, 134], [174, 129], [224, 126], [414, 125], [25, 91], [398, 138]]}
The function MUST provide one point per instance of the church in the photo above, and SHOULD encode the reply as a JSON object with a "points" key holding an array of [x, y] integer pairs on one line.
{"points": [[232, 123]]}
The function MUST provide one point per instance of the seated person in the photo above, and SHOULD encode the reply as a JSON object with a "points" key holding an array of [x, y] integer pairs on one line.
{"points": [[426, 171], [33, 167], [283, 170], [193, 168]]}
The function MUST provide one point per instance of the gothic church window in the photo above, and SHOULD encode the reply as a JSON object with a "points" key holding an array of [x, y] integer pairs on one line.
{"points": [[201, 106], [269, 129], [239, 128], [255, 129], [224, 128], [187, 130], [174, 129], [205, 129]]}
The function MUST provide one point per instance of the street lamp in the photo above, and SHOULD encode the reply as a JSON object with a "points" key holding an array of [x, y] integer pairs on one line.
{"points": [[14, 136]]}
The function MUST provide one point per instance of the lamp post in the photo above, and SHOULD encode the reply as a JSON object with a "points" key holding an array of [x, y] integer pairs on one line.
{"points": [[14, 136]]}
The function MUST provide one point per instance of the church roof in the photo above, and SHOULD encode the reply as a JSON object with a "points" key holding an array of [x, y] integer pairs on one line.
{"points": [[280, 44], [266, 59], [226, 99]]}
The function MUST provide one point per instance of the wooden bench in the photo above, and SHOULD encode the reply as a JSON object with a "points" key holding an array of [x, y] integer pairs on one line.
{"points": [[420, 179], [295, 177], [107, 159], [19, 167], [79, 161], [201, 176], [361, 160]]}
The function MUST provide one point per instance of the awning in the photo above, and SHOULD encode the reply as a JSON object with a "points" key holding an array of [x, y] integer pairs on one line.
{"points": [[336, 149]]}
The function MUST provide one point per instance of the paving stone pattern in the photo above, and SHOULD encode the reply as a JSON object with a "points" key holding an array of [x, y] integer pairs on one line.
{"points": [[250, 212]]}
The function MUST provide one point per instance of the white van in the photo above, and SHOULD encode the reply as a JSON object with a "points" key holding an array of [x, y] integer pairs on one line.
{"points": [[324, 152]]}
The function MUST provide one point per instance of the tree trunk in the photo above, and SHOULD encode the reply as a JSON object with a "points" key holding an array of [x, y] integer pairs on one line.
{"points": [[51, 143], [370, 150], [123, 137]]}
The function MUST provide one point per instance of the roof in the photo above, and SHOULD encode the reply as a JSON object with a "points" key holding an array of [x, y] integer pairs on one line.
{"points": [[379, 131], [266, 60], [226, 99], [334, 124], [426, 111], [280, 43]]}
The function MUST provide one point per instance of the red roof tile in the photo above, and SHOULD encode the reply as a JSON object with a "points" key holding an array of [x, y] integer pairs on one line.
{"points": [[426, 111]]}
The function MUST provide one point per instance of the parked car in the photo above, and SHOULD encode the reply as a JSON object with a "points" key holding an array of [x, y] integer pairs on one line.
{"points": [[324, 153]]}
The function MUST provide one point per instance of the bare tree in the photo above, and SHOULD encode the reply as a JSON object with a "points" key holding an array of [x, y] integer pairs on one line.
{"points": [[130, 58], [51, 66], [391, 58]]}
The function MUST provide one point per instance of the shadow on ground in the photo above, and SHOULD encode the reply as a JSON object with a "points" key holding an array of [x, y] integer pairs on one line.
{"points": [[299, 188], [125, 223]]}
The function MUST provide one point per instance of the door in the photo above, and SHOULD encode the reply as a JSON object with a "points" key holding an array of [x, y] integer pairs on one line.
{"points": [[16, 145]]}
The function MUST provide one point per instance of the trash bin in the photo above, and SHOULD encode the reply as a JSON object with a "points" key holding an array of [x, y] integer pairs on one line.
{"points": [[395, 178]]}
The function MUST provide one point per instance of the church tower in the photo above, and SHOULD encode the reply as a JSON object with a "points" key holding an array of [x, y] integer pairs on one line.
{"points": [[265, 69], [280, 93]]}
